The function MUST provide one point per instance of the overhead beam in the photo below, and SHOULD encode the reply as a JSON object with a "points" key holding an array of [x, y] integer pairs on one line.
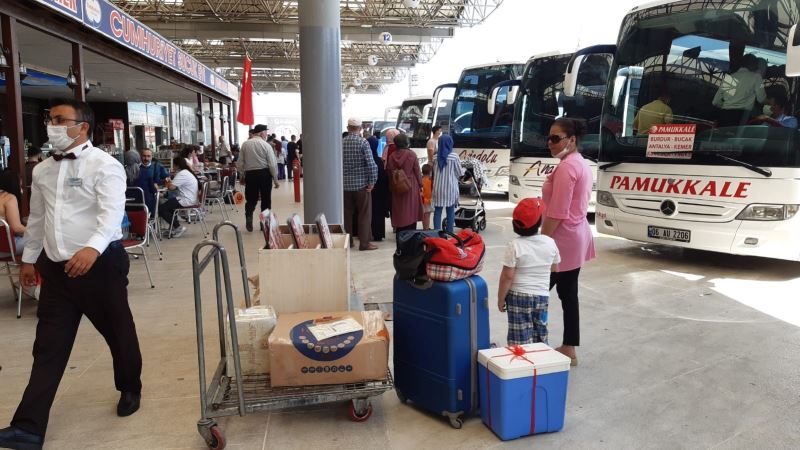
{"points": [[263, 63], [234, 30]]}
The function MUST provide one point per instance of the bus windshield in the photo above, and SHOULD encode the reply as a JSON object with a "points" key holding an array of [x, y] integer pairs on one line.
{"points": [[542, 101], [415, 120], [471, 123], [720, 70]]}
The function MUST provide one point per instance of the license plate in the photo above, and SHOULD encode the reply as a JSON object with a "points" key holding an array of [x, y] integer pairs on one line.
{"points": [[668, 234]]}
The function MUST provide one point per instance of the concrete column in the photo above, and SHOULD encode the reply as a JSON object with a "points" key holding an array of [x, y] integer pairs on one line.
{"points": [[321, 100]]}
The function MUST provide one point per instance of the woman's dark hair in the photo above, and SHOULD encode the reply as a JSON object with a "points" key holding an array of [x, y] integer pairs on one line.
{"points": [[525, 232], [181, 164], [572, 127], [401, 141], [186, 152]]}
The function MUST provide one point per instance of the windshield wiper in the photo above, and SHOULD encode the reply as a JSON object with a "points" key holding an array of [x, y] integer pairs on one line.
{"points": [[609, 165], [759, 170], [594, 160]]}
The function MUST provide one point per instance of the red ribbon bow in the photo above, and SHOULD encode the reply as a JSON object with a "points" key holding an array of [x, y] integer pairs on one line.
{"points": [[517, 352]]}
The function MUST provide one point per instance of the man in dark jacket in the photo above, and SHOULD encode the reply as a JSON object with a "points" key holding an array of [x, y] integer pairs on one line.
{"points": [[291, 155]]}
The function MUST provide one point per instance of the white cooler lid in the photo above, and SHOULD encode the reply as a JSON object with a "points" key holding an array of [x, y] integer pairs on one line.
{"points": [[503, 363]]}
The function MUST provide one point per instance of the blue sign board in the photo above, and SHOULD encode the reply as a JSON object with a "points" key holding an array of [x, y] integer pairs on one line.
{"points": [[105, 18]]}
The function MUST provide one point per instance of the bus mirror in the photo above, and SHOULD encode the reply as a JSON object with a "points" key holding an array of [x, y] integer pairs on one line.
{"points": [[571, 76], [426, 112], [793, 53], [512, 95], [492, 101]]}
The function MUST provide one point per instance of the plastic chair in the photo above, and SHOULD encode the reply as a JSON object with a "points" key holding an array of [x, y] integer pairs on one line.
{"points": [[198, 210], [8, 245], [233, 177], [140, 226], [137, 194], [218, 198]]}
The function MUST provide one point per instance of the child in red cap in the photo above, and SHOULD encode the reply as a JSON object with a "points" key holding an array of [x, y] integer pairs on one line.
{"points": [[525, 279]]}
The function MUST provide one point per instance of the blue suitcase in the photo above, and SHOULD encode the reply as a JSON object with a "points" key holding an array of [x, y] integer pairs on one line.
{"points": [[438, 330]]}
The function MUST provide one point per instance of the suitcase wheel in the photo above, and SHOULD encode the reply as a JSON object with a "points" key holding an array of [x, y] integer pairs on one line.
{"points": [[400, 396], [456, 423]]}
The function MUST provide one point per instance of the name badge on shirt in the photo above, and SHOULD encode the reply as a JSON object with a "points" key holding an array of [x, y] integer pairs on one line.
{"points": [[75, 182]]}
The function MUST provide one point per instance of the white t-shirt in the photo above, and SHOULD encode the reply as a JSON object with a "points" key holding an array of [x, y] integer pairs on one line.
{"points": [[533, 258], [187, 187]]}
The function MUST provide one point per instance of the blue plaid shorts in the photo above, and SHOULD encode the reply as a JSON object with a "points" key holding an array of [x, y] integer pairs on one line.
{"points": [[527, 318]]}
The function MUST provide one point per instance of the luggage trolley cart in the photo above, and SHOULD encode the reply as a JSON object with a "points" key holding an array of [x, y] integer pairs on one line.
{"points": [[241, 395]]}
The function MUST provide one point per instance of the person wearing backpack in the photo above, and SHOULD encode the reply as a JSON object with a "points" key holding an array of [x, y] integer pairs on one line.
{"points": [[405, 183]]}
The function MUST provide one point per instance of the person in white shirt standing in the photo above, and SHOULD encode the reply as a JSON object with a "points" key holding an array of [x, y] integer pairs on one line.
{"points": [[260, 167], [73, 242]]}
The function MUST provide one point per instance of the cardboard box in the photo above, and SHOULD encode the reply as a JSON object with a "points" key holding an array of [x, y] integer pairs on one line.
{"points": [[315, 279], [253, 327], [298, 359]]}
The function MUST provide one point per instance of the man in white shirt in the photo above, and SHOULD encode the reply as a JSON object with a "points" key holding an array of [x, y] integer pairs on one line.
{"points": [[433, 143], [739, 92], [73, 242], [260, 167]]}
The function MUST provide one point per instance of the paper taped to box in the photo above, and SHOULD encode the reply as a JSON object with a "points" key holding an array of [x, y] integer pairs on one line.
{"points": [[298, 358], [253, 327]]}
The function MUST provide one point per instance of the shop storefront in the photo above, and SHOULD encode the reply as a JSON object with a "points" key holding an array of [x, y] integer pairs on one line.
{"points": [[143, 89]]}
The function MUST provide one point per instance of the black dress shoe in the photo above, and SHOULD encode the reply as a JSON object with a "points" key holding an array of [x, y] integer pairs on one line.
{"points": [[13, 437], [128, 403], [248, 223]]}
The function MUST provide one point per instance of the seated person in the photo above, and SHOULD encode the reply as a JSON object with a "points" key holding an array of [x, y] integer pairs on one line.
{"points": [[34, 158], [186, 185], [775, 111], [657, 112], [153, 167], [9, 211]]}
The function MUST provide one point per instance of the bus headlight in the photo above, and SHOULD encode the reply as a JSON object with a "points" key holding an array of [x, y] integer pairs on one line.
{"points": [[768, 212], [606, 199], [514, 180]]}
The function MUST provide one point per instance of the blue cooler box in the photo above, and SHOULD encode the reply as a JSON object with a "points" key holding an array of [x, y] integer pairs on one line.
{"points": [[510, 406]]}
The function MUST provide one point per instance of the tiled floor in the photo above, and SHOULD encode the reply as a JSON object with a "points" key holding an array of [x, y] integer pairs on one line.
{"points": [[676, 354]]}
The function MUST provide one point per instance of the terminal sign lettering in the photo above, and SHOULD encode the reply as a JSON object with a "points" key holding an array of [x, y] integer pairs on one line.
{"points": [[671, 141]]}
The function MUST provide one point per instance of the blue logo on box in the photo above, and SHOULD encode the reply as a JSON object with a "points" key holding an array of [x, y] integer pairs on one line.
{"points": [[326, 350]]}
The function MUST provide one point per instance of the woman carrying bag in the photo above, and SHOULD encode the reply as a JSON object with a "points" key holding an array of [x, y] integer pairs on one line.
{"points": [[405, 182]]}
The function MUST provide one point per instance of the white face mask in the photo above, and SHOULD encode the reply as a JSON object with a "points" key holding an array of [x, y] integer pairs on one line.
{"points": [[564, 152], [57, 137]]}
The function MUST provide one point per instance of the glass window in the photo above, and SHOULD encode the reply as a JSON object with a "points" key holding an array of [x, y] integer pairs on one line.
{"points": [[719, 68], [415, 121], [542, 101], [471, 121]]}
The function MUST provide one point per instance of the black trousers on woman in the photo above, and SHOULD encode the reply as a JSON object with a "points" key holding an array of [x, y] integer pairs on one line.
{"points": [[566, 284]]}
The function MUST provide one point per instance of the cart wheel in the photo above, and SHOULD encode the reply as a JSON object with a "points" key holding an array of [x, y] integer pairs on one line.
{"points": [[217, 441], [482, 224], [360, 413], [400, 396], [456, 423]]}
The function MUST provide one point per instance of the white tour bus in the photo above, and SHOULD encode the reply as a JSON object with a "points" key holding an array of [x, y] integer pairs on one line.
{"points": [[540, 102], [676, 169], [478, 133], [416, 120]]}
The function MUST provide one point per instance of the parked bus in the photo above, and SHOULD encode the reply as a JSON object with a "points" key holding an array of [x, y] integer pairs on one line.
{"points": [[540, 102], [416, 120], [478, 133], [676, 166]]}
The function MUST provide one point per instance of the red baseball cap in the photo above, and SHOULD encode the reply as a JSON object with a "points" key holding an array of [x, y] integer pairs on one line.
{"points": [[528, 212]]}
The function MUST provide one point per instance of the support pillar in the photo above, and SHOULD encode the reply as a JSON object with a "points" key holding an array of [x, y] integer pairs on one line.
{"points": [[77, 68], [211, 147], [234, 124], [13, 126], [321, 100], [200, 120]]}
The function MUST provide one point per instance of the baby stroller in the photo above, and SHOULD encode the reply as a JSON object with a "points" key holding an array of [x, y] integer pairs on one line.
{"points": [[471, 211]]}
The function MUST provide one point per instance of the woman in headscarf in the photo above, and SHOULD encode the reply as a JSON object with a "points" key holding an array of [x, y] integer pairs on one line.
{"points": [[406, 206], [380, 195], [447, 170], [390, 147], [133, 162]]}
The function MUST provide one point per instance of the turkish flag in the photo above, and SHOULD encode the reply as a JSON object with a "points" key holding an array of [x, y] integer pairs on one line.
{"points": [[245, 115]]}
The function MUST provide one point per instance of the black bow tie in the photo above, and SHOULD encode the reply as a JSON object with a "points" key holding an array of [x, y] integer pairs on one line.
{"points": [[60, 156]]}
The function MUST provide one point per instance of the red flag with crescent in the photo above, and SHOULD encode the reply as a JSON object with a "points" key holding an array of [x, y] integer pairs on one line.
{"points": [[245, 115]]}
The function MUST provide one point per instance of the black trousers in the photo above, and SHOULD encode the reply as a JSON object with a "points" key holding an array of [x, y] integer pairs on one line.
{"points": [[102, 295], [289, 169], [566, 284], [258, 183], [167, 209]]}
